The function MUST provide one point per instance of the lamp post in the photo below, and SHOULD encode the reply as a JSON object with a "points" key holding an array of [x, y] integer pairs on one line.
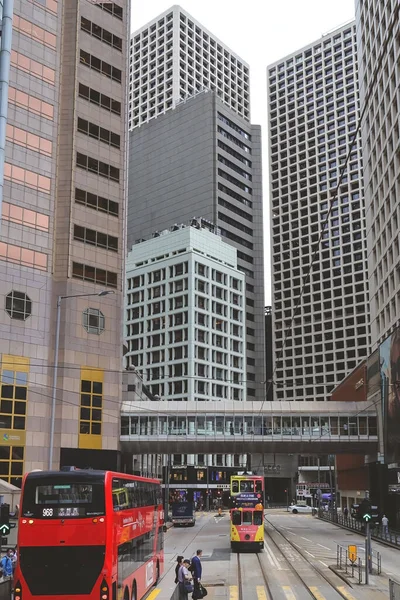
{"points": [[54, 390]]}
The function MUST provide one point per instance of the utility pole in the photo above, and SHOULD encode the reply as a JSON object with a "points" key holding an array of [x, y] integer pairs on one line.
{"points": [[166, 499], [367, 551]]}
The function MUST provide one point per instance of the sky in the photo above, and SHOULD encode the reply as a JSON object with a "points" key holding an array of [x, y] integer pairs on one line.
{"points": [[260, 32]]}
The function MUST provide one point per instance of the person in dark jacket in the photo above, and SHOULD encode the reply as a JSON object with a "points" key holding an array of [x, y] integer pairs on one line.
{"points": [[179, 561], [197, 569]]}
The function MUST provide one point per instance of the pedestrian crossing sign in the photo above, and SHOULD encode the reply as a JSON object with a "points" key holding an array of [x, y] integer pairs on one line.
{"points": [[352, 553]]}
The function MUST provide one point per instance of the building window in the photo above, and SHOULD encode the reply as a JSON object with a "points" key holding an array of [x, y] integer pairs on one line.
{"points": [[95, 238], [89, 273], [91, 405], [24, 216], [34, 32], [26, 64], [23, 256], [29, 140], [28, 178], [99, 99], [97, 166], [93, 321], [30, 103], [101, 66], [13, 398], [97, 202], [50, 5], [101, 34], [18, 305], [99, 133], [112, 8]]}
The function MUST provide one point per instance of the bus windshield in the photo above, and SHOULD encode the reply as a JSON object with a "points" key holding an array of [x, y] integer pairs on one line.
{"points": [[63, 498]]}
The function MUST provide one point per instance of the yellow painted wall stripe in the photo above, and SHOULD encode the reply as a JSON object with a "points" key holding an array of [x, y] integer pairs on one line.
{"points": [[233, 592], [92, 374], [343, 591], [316, 593], [11, 362], [288, 592], [261, 594], [153, 594]]}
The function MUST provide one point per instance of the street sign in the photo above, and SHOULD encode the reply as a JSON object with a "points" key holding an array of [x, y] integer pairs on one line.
{"points": [[352, 553]]}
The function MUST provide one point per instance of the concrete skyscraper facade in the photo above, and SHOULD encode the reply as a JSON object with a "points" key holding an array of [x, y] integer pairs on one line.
{"points": [[320, 319], [203, 159], [185, 327], [62, 231], [174, 57], [378, 30]]}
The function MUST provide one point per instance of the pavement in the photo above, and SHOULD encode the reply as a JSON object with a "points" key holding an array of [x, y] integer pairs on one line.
{"points": [[315, 540]]}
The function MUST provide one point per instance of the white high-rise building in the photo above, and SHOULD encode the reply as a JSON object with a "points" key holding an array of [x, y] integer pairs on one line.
{"points": [[185, 315], [321, 319], [174, 57], [378, 31]]}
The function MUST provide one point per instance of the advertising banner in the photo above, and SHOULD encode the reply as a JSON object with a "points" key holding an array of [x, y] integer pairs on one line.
{"points": [[389, 358]]}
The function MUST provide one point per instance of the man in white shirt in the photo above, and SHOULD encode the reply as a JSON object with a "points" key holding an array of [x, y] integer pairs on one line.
{"points": [[385, 525]]}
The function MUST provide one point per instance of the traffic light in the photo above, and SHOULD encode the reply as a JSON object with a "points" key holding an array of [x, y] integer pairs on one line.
{"points": [[4, 519], [364, 511]]}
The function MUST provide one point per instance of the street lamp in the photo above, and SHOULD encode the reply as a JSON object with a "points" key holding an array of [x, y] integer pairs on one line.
{"points": [[54, 391]]}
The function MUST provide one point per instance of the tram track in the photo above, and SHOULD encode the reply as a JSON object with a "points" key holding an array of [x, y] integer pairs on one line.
{"points": [[312, 590], [264, 578]]}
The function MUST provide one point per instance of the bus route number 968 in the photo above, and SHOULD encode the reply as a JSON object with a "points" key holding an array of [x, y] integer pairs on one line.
{"points": [[47, 512]]}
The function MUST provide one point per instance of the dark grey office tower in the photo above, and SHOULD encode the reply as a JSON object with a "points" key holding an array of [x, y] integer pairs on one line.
{"points": [[202, 159]]}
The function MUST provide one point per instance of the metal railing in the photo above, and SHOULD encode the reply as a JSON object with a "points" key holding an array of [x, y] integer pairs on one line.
{"points": [[343, 563], [355, 568], [394, 590], [377, 533]]}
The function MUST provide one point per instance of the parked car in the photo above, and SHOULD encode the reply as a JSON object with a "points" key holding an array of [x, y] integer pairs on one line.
{"points": [[300, 508]]}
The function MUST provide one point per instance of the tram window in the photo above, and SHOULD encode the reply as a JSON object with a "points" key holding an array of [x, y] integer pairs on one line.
{"points": [[247, 517], [235, 487], [257, 517], [258, 486], [246, 486], [236, 517]]}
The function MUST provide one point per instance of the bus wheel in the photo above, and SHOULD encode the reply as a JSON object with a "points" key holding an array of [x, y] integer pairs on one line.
{"points": [[134, 594], [157, 574]]}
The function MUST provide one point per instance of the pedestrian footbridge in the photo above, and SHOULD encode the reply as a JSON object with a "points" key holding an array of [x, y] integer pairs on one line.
{"points": [[287, 427]]}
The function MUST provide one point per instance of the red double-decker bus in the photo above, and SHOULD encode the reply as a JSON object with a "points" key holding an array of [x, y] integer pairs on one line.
{"points": [[88, 535]]}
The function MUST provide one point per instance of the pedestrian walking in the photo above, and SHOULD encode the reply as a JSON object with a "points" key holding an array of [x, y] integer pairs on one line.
{"points": [[184, 579], [6, 563], [197, 570], [385, 525], [346, 512], [179, 561]]}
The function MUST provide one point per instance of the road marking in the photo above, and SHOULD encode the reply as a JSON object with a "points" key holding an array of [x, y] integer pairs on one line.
{"points": [[321, 546], [233, 592], [272, 558], [261, 594], [309, 553], [316, 593], [345, 593], [288, 592], [307, 540], [322, 563], [153, 594]]}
